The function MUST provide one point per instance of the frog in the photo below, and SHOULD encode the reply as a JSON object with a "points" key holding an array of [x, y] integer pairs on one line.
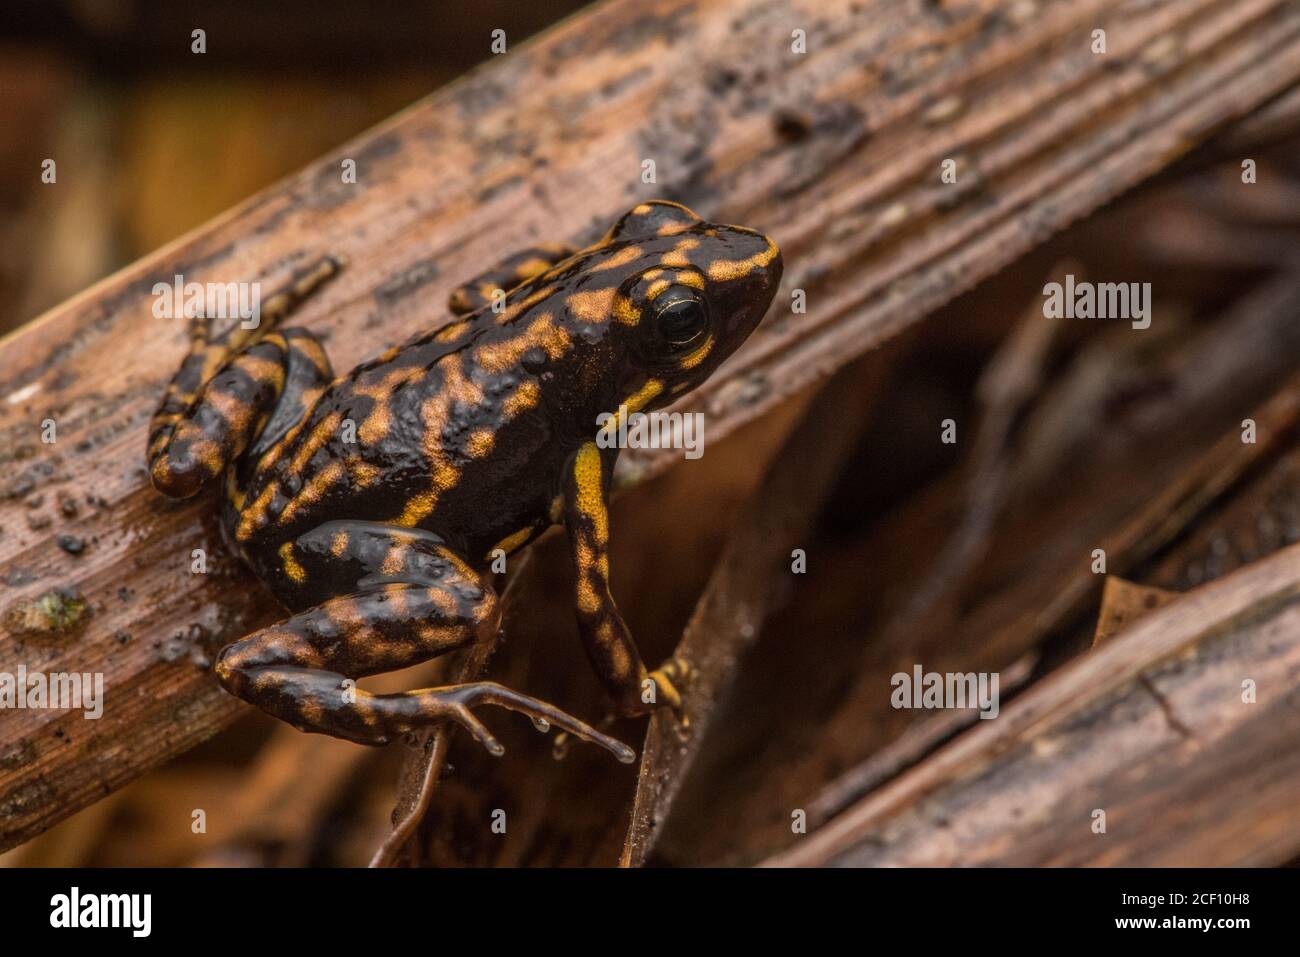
{"points": [[374, 503]]}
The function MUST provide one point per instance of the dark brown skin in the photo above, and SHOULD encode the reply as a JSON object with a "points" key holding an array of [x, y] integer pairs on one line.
{"points": [[372, 504]]}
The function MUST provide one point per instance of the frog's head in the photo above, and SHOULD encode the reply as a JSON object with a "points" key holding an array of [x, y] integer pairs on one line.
{"points": [[689, 293]]}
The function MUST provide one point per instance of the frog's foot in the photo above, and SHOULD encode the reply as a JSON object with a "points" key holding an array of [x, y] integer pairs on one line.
{"points": [[673, 672], [560, 746], [453, 702], [327, 703], [667, 678], [487, 287], [645, 697]]}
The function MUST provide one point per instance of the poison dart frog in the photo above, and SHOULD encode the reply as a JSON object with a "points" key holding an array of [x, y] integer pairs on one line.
{"points": [[372, 503]]}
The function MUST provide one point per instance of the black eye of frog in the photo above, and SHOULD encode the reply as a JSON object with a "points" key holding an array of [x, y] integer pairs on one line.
{"points": [[682, 320]]}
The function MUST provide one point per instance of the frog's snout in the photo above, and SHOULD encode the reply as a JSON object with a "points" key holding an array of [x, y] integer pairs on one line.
{"points": [[747, 277], [774, 265]]}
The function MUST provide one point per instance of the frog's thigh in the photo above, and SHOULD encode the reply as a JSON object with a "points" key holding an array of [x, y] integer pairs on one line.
{"points": [[414, 600], [506, 275], [380, 628], [296, 668], [403, 597]]}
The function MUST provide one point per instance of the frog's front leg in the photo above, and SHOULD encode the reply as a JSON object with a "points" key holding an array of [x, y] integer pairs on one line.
{"points": [[412, 599], [610, 648], [506, 275]]}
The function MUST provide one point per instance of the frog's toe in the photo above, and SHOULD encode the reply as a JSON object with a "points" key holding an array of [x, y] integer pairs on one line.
{"points": [[455, 701], [665, 691], [667, 677], [465, 718]]}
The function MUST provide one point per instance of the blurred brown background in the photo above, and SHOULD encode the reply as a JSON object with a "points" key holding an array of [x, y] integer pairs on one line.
{"points": [[151, 139], [922, 552]]}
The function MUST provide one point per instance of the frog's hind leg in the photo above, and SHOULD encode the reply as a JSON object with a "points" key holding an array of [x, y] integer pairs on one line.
{"points": [[413, 600], [506, 275], [227, 387]]}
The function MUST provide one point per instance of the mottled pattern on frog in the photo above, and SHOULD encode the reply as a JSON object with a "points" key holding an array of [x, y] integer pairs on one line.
{"points": [[371, 503]]}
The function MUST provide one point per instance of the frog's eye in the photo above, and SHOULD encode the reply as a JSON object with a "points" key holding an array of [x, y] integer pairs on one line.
{"points": [[680, 320]]}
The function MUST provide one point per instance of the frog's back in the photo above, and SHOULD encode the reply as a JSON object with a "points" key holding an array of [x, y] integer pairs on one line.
{"points": [[465, 431], [448, 434]]}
